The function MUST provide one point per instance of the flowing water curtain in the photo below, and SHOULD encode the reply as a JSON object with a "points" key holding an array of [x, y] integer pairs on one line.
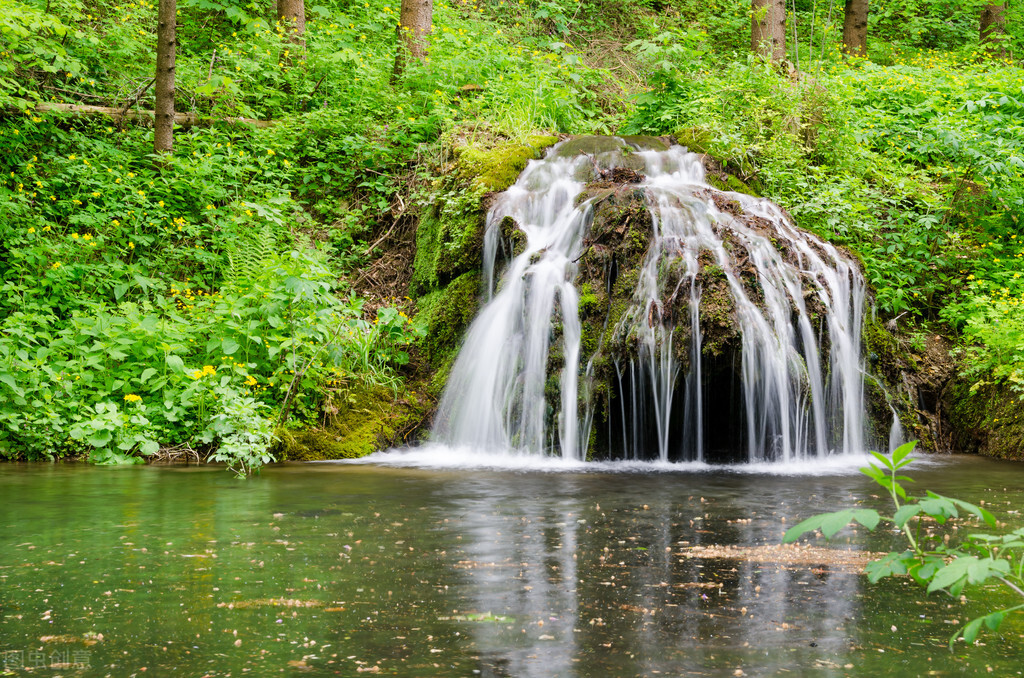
{"points": [[520, 382]]}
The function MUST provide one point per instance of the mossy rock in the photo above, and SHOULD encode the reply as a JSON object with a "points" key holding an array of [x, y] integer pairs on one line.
{"points": [[368, 419], [719, 172], [986, 419], [447, 245], [588, 145], [495, 169], [647, 143], [445, 314], [730, 182]]}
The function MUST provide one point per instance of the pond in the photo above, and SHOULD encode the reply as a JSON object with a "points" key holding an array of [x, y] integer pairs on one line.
{"points": [[384, 568]]}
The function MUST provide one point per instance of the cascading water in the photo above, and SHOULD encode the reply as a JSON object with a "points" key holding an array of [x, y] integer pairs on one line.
{"points": [[680, 323]]}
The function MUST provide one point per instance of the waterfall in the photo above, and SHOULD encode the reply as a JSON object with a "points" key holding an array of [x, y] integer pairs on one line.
{"points": [[740, 331]]}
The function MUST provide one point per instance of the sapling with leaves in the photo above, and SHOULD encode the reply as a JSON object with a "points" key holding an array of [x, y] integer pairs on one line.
{"points": [[933, 561]]}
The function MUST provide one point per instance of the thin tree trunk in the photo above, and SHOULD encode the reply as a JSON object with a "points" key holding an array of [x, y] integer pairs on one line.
{"points": [[855, 28], [292, 14], [413, 28], [768, 28], [166, 41], [993, 29]]}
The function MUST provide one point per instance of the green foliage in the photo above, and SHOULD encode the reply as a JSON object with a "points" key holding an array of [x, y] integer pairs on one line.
{"points": [[245, 433], [145, 307], [912, 159], [933, 560]]}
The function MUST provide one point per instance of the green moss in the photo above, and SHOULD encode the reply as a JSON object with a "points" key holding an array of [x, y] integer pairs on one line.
{"points": [[446, 314], [722, 172], [588, 145], [590, 304], [447, 245], [495, 169], [987, 419], [882, 347], [731, 182], [367, 420]]}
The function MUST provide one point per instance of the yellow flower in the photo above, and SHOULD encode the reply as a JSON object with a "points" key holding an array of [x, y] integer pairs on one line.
{"points": [[32, 229], [132, 398], [209, 207], [250, 381], [270, 151], [131, 245], [161, 203], [56, 265], [87, 236], [75, 236]]}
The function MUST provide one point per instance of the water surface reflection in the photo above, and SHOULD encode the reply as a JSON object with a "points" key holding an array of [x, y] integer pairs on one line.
{"points": [[348, 569]]}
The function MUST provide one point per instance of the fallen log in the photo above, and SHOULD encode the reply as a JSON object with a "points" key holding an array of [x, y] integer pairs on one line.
{"points": [[143, 116]]}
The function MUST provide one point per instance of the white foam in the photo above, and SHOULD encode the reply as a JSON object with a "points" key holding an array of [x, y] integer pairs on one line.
{"points": [[439, 456]]}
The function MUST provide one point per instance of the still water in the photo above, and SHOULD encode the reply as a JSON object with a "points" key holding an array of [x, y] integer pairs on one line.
{"points": [[355, 569]]}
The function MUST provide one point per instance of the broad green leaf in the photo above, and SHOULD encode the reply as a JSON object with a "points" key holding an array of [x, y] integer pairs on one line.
{"points": [[905, 513], [873, 472], [970, 632], [175, 363], [891, 564], [867, 517], [834, 522], [951, 575], [902, 451], [9, 380], [229, 346], [994, 620], [886, 462], [147, 374], [804, 526], [99, 438]]}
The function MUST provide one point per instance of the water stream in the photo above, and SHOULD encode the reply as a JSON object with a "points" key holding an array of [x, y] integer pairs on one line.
{"points": [[797, 302]]}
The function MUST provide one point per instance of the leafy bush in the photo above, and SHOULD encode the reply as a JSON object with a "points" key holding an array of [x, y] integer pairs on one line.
{"points": [[933, 559]]}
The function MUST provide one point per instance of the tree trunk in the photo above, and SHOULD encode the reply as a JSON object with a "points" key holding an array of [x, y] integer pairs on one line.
{"points": [[855, 28], [166, 41], [993, 29], [413, 29], [292, 14], [768, 28]]}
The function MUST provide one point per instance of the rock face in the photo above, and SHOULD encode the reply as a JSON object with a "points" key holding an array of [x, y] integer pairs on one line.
{"points": [[635, 311]]}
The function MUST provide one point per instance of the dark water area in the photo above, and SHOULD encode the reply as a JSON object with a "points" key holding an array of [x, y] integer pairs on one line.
{"points": [[355, 569]]}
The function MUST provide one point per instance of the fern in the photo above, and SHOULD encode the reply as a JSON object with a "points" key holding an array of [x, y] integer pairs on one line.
{"points": [[248, 253]]}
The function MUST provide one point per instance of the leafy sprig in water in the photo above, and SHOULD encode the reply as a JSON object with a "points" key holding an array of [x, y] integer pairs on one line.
{"points": [[932, 560]]}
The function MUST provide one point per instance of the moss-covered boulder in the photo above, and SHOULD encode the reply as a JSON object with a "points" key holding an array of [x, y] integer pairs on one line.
{"points": [[496, 168], [722, 173], [445, 314], [449, 242], [365, 419], [986, 418]]}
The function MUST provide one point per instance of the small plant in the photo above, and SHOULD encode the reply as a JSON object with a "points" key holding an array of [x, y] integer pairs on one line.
{"points": [[244, 432], [933, 560]]}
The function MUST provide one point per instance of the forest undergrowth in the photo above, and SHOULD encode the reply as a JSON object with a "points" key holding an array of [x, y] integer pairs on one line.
{"points": [[210, 298]]}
